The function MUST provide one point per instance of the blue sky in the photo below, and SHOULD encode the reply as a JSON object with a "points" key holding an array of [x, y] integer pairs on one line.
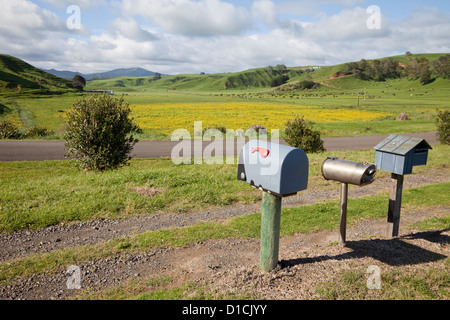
{"points": [[191, 36]]}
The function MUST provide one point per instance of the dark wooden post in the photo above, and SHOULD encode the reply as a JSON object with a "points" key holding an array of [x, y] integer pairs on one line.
{"points": [[343, 217], [395, 204]]}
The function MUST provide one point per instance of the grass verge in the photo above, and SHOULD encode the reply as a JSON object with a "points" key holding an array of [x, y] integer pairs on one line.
{"points": [[40, 194], [322, 216]]}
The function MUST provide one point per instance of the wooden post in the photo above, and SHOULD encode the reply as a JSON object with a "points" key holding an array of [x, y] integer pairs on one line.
{"points": [[343, 217], [395, 205], [270, 231]]}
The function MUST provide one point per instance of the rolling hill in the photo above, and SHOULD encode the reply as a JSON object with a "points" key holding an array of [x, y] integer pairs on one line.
{"points": [[335, 77], [254, 78], [16, 74], [122, 72]]}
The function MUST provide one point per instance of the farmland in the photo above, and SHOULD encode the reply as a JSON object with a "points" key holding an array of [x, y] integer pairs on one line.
{"points": [[155, 230], [339, 106], [335, 112]]}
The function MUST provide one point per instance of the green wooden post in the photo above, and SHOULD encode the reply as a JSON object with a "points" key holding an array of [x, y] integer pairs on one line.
{"points": [[270, 231]]}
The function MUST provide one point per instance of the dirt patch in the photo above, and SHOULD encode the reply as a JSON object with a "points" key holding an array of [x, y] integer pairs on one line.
{"points": [[402, 117], [337, 75], [146, 192]]}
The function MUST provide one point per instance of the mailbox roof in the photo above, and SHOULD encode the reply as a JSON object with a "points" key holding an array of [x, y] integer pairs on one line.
{"points": [[400, 144]]}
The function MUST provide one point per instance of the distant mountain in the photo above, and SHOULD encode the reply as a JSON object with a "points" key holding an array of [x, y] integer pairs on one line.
{"points": [[16, 73], [130, 72], [63, 74]]}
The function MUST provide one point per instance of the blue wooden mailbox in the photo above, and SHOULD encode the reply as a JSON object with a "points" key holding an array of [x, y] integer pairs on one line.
{"points": [[399, 154]]}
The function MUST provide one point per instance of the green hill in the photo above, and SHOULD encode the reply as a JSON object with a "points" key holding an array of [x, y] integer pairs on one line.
{"points": [[17, 75], [259, 79], [255, 78]]}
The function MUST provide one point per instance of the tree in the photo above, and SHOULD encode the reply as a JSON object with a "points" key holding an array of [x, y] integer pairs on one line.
{"points": [[306, 84], [301, 134], [79, 82], [99, 133], [278, 81], [425, 77], [281, 68], [441, 66], [443, 126]]}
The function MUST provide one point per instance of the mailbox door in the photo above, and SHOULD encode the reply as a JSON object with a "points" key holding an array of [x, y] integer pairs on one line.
{"points": [[294, 172], [420, 157]]}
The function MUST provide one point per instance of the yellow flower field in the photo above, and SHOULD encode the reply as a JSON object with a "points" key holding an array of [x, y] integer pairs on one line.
{"points": [[166, 118]]}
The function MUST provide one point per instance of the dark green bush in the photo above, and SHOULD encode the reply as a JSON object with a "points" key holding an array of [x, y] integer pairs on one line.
{"points": [[301, 134], [306, 84], [443, 126], [9, 131], [99, 133]]}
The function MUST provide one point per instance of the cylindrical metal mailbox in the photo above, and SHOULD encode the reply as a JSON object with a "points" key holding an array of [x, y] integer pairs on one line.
{"points": [[355, 173]]}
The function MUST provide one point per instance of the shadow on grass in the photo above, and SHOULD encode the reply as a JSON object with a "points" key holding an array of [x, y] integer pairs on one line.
{"points": [[4, 109], [394, 252]]}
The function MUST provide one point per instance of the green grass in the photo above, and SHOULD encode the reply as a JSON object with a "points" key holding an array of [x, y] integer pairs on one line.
{"points": [[39, 194], [420, 284], [49, 111], [35, 195], [306, 219]]}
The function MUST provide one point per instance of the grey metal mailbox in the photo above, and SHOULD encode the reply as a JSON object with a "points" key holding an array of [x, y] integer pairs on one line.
{"points": [[358, 174], [347, 172], [399, 154], [277, 169]]}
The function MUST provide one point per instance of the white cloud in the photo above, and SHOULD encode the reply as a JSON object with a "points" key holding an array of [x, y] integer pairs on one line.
{"points": [[184, 36], [348, 25], [84, 4], [312, 7], [21, 20], [188, 17], [266, 11], [130, 29]]}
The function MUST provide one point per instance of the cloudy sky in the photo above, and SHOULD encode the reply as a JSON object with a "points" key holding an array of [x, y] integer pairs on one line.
{"points": [[193, 36]]}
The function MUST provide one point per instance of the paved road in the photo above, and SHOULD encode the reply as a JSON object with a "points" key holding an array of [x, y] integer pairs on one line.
{"points": [[55, 150]]}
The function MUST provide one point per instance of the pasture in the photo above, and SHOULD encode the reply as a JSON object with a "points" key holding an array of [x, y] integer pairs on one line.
{"points": [[341, 108]]}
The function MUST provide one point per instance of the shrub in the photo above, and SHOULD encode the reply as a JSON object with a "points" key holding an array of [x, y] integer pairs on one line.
{"points": [[9, 131], [443, 126], [306, 84], [220, 128], [38, 132], [279, 80], [99, 133], [301, 134]]}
